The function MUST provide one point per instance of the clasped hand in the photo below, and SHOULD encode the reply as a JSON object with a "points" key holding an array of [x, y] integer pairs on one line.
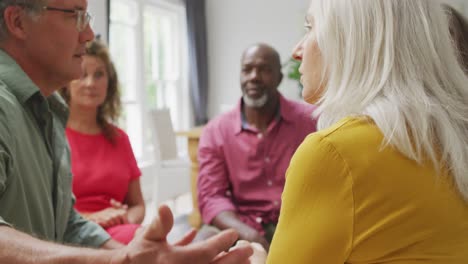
{"points": [[111, 216]]}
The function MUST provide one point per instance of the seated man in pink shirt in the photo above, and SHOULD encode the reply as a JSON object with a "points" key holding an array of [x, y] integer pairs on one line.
{"points": [[244, 153]]}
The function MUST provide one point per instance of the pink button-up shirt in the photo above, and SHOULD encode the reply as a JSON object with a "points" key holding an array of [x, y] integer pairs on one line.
{"points": [[242, 170]]}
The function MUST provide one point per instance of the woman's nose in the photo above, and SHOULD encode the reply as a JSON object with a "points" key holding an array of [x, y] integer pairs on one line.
{"points": [[88, 81], [297, 56], [297, 51]]}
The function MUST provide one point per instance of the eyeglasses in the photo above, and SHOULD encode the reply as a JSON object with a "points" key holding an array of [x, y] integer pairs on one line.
{"points": [[82, 16]]}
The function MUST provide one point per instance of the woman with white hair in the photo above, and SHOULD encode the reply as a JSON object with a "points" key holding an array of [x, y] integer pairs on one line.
{"points": [[385, 180]]}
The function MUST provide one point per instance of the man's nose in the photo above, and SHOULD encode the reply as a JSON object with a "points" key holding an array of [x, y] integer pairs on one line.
{"points": [[254, 74], [87, 34]]}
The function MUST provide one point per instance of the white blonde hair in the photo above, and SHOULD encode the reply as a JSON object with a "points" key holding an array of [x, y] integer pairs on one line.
{"points": [[393, 60]]}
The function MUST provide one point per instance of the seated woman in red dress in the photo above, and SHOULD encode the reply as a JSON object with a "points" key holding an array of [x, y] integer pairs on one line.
{"points": [[105, 173]]}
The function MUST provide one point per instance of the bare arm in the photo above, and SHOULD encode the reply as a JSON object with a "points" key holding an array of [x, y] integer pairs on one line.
{"points": [[17, 247], [149, 247], [132, 211], [229, 219], [135, 202], [112, 244]]}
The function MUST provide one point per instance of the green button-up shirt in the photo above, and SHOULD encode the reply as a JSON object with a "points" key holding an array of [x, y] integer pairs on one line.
{"points": [[35, 176]]}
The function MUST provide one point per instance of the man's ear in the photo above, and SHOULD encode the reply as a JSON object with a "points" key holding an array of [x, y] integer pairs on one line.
{"points": [[15, 18], [280, 77]]}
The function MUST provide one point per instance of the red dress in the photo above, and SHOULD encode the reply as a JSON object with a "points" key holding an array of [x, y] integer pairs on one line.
{"points": [[101, 171]]}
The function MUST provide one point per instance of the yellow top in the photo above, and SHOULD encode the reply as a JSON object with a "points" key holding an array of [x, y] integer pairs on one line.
{"points": [[346, 200]]}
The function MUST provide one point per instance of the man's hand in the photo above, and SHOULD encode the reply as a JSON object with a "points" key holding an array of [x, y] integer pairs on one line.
{"points": [[253, 235], [150, 246], [230, 219], [259, 256]]}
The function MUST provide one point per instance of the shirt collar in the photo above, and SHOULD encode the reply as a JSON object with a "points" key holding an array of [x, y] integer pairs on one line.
{"points": [[57, 105], [283, 113], [22, 87], [287, 109]]}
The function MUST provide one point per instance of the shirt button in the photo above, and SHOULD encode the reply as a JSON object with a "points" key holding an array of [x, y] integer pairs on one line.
{"points": [[267, 160], [260, 135], [276, 203], [258, 220], [269, 183], [228, 193]]}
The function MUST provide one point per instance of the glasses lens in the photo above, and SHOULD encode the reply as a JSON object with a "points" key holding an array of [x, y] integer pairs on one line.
{"points": [[83, 19]]}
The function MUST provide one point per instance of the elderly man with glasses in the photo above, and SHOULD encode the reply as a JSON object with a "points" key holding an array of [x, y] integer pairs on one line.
{"points": [[41, 47]]}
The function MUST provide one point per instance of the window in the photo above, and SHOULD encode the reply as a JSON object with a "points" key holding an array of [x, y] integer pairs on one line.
{"points": [[149, 47]]}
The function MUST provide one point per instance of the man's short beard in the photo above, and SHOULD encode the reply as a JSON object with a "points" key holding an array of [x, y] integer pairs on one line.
{"points": [[255, 103]]}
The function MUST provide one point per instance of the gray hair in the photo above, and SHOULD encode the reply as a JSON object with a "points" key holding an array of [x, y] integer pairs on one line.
{"points": [[393, 60], [34, 6]]}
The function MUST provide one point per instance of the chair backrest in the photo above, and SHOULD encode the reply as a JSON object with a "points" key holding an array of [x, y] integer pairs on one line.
{"points": [[164, 138]]}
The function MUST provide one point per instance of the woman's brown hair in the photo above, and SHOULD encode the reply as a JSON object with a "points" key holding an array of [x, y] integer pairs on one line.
{"points": [[109, 111]]}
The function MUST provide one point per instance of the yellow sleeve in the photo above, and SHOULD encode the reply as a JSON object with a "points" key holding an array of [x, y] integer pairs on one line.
{"points": [[316, 219]]}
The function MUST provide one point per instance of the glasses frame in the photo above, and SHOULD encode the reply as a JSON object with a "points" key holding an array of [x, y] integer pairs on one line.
{"points": [[82, 16]]}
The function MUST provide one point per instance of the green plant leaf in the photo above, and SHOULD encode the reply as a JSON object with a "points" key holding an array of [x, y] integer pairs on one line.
{"points": [[291, 67]]}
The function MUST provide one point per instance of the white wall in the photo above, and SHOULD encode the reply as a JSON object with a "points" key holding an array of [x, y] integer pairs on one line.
{"points": [[232, 25], [98, 10]]}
